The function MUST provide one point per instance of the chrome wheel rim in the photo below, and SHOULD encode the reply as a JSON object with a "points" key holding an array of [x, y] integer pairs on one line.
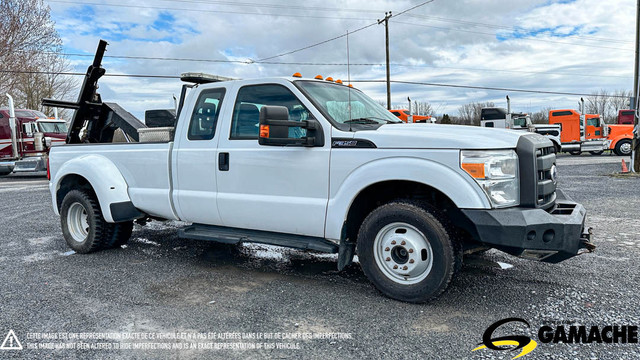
{"points": [[78, 222], [625, 148], [403, 253]]}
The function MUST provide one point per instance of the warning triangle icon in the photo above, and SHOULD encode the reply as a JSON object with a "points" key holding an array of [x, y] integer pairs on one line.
{"points": [[11, 342]]}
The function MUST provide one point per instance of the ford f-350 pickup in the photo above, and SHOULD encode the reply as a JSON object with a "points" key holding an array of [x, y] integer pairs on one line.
{"points": [[317, 165]]}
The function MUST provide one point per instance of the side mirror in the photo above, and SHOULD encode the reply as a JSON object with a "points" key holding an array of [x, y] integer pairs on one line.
{"points": [[275, 124]]}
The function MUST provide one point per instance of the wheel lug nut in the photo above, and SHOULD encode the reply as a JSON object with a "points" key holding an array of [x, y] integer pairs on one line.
{"points": [[405, 267], [395, 267], [393, 242], [403, 242], [410, 251], [411, 261], [388, 259], [386, 249]]}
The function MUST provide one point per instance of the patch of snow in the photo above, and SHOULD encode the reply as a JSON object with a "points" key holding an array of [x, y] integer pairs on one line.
{"points": [[146, 241], [504, 266]]}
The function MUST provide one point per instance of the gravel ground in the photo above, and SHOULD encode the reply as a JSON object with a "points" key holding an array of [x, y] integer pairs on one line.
{"points": [[159, 284]]}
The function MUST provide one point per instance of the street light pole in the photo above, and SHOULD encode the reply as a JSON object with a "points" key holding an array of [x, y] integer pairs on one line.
{"points": [[387, 15]]}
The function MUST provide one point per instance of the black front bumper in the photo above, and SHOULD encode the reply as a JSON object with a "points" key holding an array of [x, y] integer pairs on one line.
{"points": [[549, 236]]}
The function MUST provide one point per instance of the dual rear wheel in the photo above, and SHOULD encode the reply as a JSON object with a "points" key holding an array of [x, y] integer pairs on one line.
{"points": [[84, 228]]}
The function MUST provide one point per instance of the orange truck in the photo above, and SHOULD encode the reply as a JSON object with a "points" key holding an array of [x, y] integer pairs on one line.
{"points": [[620, 137], [597, 137], [404, 115], [580, 132]]}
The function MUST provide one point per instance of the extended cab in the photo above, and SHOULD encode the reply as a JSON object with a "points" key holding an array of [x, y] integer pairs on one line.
{"points": [[283, 161]]}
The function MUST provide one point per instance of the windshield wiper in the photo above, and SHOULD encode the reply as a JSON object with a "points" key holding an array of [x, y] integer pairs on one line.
{"points": [[370, 120]]}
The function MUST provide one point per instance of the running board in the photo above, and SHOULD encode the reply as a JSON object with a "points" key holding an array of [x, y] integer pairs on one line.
{"points": [[234, 236]]}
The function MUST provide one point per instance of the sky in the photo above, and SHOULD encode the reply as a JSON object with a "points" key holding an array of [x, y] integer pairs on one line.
{"points": [[574, 46]]}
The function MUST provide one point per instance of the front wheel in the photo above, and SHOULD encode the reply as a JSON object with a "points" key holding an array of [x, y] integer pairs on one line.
{"points": [[406, 251], [82, 223], [623, 148]]}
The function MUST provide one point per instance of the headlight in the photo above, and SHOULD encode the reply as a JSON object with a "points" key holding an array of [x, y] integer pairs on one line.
{"points": [[496, 171]]}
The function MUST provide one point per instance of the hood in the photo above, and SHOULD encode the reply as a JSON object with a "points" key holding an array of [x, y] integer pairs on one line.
{"points": [[437, 136]]}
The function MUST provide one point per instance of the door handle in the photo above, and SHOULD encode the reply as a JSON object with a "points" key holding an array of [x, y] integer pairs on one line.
{"points": [[223, 161]]}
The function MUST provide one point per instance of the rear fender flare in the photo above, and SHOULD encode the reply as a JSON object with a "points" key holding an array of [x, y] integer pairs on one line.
{"points": [[104, 177]]}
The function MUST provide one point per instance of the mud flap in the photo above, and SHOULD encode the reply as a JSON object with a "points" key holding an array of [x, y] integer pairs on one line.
{"points": [[346, 250]]}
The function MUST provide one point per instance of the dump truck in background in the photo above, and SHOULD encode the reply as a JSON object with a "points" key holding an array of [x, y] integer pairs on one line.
{"points": [[26, 137]]}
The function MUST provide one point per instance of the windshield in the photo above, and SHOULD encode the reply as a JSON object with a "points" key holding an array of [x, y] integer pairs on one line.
{"points": [[52, 127], [522, 122], [345, 105], [593, 122]]}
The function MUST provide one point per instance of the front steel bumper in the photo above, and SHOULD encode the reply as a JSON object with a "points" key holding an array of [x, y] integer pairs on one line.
{"points": [[534, 233]]}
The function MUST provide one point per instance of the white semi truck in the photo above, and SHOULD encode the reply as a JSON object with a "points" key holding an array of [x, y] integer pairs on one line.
{"points": [[501, 118], [284, 161]]}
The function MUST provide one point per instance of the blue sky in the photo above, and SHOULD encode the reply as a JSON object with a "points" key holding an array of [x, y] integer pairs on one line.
{"points": [[568, 46]]}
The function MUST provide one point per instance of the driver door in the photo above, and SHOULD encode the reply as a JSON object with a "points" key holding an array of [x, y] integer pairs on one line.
{"points": [[271, 188]]}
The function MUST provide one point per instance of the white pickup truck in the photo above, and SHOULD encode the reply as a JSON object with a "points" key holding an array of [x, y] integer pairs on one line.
{"points": [[317, 165]]}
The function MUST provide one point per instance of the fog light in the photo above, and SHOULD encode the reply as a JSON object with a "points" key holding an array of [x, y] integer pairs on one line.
{"points": [[548, 236]]}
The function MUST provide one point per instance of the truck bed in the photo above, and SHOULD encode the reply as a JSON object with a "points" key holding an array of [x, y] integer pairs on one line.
{"points": [[145, 167]]}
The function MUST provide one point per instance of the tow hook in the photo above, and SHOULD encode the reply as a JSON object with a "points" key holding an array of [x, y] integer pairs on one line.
{"points": [[585, 242]]}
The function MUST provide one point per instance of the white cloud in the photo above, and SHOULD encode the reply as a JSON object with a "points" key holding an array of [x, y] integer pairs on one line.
{"points": [[452, 42]]}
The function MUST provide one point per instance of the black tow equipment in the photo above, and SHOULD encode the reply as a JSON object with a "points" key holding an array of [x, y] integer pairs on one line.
{"points": [[93, 120]]}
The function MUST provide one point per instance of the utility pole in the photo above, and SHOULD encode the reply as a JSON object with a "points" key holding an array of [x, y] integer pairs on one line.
{"points": [[388, 15], [635, 155]]}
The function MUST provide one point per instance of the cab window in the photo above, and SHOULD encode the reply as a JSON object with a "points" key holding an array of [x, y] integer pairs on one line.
{"points": [[250, 99], [205, 115], [593, 122]]}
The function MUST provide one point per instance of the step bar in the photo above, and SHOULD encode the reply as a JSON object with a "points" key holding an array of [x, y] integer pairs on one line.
{"points": [[234, 236]]}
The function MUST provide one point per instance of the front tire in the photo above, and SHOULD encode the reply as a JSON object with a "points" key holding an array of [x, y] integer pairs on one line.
{"points": [[82, 223], [406, 251], [623, 148]]}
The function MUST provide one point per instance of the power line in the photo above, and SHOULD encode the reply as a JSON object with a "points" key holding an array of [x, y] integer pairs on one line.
{"points": [[353, 81], [302, 63], [203, 10], [481, 87], [341, 36]]}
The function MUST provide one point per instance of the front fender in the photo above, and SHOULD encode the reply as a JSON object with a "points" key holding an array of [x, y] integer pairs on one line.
{"points": [[614, 141], [103, 175], [463, 191]]}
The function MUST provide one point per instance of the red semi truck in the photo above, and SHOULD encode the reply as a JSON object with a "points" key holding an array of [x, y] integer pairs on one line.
{"points": [[625, 117], [25, 139]]}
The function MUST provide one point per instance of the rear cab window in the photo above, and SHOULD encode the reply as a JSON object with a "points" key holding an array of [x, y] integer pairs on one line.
{"points": [[204, 118]]}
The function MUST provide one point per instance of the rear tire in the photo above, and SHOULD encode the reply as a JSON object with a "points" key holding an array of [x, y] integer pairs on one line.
{"points": [[82, 223], [118, 234], [575, 152], [596, 152], [406, 251], [623, 148]]}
